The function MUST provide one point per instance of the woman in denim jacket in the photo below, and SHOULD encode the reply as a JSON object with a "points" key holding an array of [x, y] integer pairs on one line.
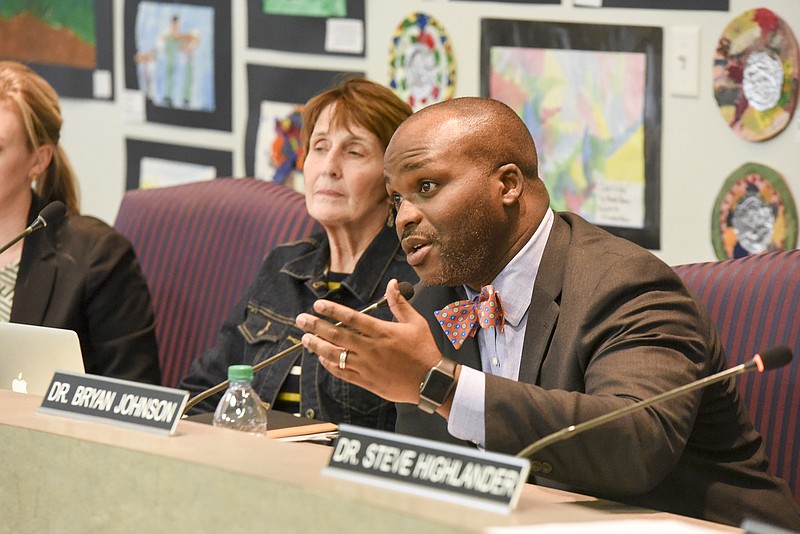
{"points": [[345, 133]]}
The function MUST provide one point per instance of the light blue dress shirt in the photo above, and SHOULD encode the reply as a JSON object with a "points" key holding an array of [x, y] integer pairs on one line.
{"points": [[500, 352]]}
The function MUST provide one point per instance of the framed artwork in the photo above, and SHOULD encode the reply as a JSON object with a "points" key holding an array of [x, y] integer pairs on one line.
{"points": [[178, 58], [70, 44], [276, 96], [701, 5], [590, 95], [307, 26], [754, 212], [153, 164]]}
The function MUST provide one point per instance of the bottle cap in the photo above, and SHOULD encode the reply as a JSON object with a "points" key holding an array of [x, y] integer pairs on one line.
{"points": [[240, 373]]}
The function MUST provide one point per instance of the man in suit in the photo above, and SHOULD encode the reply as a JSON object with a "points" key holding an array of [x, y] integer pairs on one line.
{"points": [[589, 323]]}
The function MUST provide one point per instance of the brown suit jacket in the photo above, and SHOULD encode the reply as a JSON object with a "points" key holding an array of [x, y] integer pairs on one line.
{"points": [[610, 324], [82, 275]]}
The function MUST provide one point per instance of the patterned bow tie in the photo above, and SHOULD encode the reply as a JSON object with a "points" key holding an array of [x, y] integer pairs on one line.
{"points": [[463, 317]]}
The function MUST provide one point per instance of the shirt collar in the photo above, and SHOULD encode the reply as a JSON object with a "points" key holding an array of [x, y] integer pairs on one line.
{"points": [[521, 272], [368, 273]]}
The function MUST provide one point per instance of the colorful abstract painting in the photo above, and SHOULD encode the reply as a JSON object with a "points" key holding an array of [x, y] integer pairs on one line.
{"points": [[585, 110], [278, 152], [273, 147], [590, 95]]}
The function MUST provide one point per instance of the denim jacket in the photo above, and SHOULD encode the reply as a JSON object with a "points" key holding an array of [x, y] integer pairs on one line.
{"points": [[291, 278]]}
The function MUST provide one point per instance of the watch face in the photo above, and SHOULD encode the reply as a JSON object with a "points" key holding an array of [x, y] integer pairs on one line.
{"points": [[437, 386]]}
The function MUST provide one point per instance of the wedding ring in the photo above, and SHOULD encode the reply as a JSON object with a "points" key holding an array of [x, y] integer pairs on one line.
{"points": [[343, 359]]}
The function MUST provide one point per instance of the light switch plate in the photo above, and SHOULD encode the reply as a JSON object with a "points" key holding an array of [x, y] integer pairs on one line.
{"points": [[684, 61]]}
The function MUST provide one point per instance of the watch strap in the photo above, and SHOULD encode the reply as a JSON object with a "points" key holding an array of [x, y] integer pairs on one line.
{"points": [[438, 383]]}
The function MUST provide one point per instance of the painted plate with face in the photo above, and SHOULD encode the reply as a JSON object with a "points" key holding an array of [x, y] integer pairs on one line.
{"points": [[422, 70], [754, 213], [755, 74]]}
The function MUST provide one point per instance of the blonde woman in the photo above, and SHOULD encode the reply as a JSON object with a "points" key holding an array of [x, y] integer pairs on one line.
{"points": [[76, 273]]}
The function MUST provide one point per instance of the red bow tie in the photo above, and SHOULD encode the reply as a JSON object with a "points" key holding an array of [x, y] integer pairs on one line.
{"points": [[463, 317]]}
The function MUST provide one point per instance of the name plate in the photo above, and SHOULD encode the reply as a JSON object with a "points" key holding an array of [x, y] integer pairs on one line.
{"points": [[114, 401], [463, 475]]}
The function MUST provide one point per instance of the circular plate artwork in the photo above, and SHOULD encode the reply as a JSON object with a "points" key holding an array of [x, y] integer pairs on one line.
{"points": [[422, 70], [755, 74], [754, 213]]}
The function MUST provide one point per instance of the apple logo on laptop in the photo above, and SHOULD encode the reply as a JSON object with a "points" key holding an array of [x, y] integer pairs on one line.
{"points": [[19, 384]]}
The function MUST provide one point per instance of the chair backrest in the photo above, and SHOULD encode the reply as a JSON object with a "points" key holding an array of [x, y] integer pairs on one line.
{"points": [[200, 246], [755, 303]]}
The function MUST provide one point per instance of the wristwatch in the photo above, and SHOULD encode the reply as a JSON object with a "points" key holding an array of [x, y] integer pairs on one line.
{"points": [[438, 384]]}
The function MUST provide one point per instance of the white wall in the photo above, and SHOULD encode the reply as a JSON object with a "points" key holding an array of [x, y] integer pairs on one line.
{"points": [[698, 150]]}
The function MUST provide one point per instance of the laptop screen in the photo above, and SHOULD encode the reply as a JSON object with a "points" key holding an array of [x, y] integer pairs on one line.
{"points": [[29, 355]]}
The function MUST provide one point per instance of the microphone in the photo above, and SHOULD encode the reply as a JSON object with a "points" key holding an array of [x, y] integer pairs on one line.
{"points": [[405, 288], [50, 214], [771, 358]]}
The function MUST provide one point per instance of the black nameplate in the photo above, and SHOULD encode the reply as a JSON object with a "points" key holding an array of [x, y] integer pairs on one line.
{"points": [[464, 475], [114, 401]]}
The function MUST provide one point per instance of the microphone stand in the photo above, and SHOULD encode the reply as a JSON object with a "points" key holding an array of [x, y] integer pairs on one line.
{"points": [[574, 430], [224, 384], [272, 359], [53, 212], [28, 231]]}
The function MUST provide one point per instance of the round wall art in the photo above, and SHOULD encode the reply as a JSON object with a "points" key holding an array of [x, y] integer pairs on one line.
{"points": [[754, 212], [755, 74], [422, 70]]}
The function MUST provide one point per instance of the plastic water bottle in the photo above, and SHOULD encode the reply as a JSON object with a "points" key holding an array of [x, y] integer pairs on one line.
{"points": [[240, 407]]}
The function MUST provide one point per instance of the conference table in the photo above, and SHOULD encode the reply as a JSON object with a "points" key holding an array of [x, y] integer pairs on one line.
{"points": [[61, 474]]}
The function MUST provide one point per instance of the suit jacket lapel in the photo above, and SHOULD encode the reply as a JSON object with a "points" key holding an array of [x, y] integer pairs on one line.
{"points": [[37, 275], [545, 299], [542, 317]]}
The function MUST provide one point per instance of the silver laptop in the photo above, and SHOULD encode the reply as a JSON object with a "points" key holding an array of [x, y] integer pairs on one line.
{"points": [[29, 355]]}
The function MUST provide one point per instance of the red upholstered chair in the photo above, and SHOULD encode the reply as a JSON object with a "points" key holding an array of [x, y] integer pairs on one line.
{"points": [[200, 246], [755, 303]]}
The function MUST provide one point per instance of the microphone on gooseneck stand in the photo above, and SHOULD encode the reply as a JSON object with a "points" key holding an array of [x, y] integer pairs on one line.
{"points": [[406, 289], [50, 214], [771, 358]]}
